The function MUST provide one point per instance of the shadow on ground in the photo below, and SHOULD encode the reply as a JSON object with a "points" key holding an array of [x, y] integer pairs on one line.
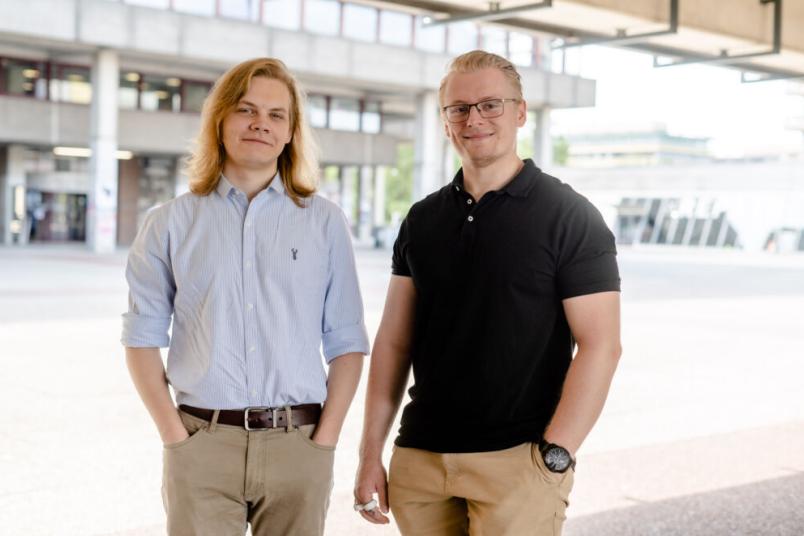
{"points": [[768, 508]]}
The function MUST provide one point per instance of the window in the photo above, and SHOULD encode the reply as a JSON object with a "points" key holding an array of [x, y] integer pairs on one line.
{"points": [[158, 4], [317, 110], [344, 114], [322, 16], [159, 93], [462, 37], [195, 7], [494, 40], [371, 119], [240, 9], [284, 14], [193, 95], [70, 84], [128, 92], [20, 77], [429, 39], [396, 28], [520, 48], [360, 22]]}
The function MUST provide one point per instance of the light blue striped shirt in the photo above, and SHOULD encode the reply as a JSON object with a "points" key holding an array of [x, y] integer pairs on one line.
{"points": [[256, 291]]}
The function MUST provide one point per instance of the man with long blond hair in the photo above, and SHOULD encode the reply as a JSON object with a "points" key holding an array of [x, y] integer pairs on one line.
{"points": [[497, 277], [258, 276]]}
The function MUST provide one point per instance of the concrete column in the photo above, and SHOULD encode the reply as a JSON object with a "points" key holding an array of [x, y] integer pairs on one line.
{"points": [[428, 148], [364, 205], [542, 140], [379, 196], [102, 206], [13, 219], [347, 176]]}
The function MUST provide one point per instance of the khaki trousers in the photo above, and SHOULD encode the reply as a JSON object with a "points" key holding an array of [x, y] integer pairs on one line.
{"points": [[223, 477], [501, 493]]}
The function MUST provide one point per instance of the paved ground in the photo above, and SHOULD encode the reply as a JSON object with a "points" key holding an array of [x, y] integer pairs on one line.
{"points": [[703, 433]]}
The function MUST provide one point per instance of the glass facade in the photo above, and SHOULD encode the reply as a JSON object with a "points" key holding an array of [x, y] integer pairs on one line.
{"points": [[461, 37], [322, 16], [520, 48], [193, 95], [359, 22], [195, 7], [160, 94], [23, 78], [396, 28], [370, 120], [70, 84], [429, 39], [344, 114], [285, 14], [317, 111]]}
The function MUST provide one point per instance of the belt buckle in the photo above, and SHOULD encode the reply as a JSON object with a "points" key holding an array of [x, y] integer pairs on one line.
{"points": [[259, 408]]}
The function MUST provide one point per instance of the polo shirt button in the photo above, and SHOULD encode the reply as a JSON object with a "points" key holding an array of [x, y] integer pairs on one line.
{"points": [[468, 201], [457, 188], [471, 218]]}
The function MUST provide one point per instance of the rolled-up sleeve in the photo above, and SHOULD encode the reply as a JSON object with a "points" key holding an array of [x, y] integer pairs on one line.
{"points": [[343, 328], [151, 285]]}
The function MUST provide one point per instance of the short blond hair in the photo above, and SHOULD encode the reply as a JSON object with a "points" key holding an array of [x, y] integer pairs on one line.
{"points": [[480, 59], [297, 164]]}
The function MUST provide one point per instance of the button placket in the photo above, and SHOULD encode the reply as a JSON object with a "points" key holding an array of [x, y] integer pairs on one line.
{"points": [[249, 290]]}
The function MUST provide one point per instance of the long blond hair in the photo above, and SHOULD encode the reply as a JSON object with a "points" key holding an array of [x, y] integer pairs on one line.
{"points": [[298, 162]]}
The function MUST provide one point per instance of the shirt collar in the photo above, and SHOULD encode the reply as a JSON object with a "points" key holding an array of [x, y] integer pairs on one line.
{"points": [[519, 186], [224, 186]]}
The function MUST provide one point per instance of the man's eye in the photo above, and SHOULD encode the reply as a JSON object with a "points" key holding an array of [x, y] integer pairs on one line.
{"points": [[244, 110], [490, 106], [277, 116], [460, 109]]}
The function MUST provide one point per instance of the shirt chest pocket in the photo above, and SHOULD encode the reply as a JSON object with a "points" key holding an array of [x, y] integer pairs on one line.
{"points": [[299, 270]]}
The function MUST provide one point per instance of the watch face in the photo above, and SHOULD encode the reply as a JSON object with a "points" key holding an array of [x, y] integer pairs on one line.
{"points": [[557, 459]]}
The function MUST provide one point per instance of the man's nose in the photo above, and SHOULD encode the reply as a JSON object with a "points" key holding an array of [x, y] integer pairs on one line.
{"points": [[474, 116]]}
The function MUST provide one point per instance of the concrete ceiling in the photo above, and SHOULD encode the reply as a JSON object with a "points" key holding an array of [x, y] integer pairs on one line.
{"points": [[734, 33]]}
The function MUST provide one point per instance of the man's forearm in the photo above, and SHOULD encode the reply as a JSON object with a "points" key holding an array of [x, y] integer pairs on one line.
{"points": [[583, 396], [344, 375], [148, 374], [388, 376]]}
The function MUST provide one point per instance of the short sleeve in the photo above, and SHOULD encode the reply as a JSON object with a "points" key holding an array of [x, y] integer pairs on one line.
{"points": [[399, 261], [587, 256], [151, 285]]}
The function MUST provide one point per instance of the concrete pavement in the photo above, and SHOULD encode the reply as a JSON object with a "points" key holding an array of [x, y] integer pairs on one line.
{"points": [[703, 433]]}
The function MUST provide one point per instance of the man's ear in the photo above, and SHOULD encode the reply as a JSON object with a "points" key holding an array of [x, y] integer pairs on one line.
{"points": [[521, 113]]}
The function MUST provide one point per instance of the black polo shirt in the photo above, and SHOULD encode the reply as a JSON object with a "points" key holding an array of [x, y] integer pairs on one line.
{"points": [[491, 345]]}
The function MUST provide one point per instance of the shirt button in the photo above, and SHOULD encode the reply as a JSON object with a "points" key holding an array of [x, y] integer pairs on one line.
{"points": [[248, 264], [253, 392], [248, 224], [251, 349], [468, 201], [250, 306], [471, 218], [457, 188]]}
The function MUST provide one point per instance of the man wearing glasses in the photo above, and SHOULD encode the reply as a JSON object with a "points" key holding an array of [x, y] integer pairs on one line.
{"points": [[497, 277]]}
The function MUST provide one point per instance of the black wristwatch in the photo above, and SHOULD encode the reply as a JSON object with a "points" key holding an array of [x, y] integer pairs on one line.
{"points": [[556, 458]]}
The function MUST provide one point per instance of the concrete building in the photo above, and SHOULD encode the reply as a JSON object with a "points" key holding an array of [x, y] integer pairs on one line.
{"points": [[99, 101], [635, 145], [756, 206]]}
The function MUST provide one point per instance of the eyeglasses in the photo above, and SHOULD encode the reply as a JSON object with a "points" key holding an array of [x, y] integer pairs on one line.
{"points": [[458, 113]]}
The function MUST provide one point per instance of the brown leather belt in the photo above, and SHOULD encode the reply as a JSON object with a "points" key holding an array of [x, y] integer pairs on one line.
{"points": [[260, 418]]}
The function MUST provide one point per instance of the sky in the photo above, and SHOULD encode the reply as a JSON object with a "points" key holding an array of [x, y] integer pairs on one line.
{"points": [[691, 100]]}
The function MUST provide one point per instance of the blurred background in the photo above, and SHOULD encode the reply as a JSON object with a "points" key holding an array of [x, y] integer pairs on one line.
{"points": [[681, 121]]}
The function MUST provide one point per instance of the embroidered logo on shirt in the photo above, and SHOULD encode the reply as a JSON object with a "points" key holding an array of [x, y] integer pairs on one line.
{"points": [[294, 251]]}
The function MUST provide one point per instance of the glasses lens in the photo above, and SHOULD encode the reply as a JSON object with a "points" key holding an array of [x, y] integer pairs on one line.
{"points": [[491, 108], [458, 112]]}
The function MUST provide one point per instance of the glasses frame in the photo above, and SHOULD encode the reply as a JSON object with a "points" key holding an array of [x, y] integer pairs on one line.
{"points": [[476, 105]]}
